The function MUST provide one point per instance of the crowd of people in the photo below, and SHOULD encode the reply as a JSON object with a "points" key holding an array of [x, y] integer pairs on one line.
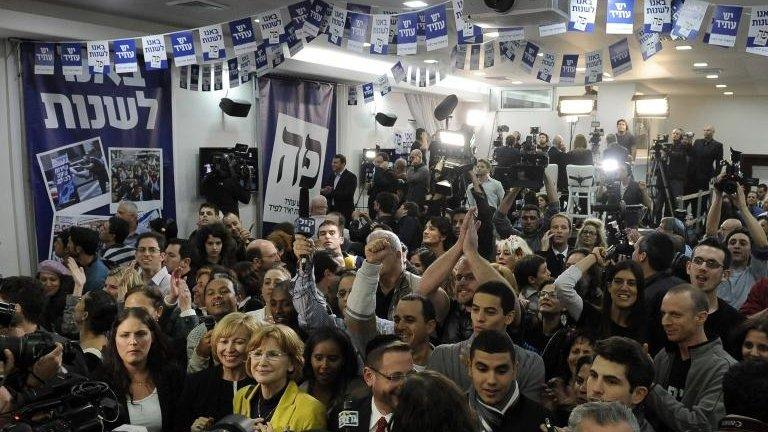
{"points": [[138, 180], [507, 315]]}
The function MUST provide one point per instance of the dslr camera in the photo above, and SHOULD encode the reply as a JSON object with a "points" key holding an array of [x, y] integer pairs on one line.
{"points": [[733, 176]]}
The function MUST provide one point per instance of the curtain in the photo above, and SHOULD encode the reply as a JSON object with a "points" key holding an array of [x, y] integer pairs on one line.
{"points": [[422, 109]]}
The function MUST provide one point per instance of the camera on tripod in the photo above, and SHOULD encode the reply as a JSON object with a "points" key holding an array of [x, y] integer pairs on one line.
{"points": [[499, 141], [733, 176], [524, 169], [595, 136]]}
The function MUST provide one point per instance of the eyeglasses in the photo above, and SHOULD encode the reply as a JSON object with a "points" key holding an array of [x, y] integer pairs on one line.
{"points": [[710, 263], [270, 356], [394, 377], [547, 294], [469, 277], [148, 250]]}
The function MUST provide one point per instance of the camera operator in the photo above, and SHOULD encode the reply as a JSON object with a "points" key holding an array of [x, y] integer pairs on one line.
{"points": [[493, 189], [679, 153], [705, 158], [626, 139], [383, 180], [614, 150], [510, 149], [418, 179], [223, 188], [632, 192]]}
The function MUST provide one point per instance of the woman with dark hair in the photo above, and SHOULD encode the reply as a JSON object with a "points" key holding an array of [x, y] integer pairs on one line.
{"points": [[140, 370], [430, 402], [331, 369], [408, 225], [57, 283], [215, 245], [752, 338], [422, 258], [94, 315], [438, 235]]}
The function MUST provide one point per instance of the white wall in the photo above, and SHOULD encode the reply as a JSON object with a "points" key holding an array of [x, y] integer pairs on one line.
{"points": [[198, 122]]}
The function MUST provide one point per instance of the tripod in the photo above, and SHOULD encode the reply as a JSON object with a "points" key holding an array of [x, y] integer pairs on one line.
{"points": [[658, 186]]}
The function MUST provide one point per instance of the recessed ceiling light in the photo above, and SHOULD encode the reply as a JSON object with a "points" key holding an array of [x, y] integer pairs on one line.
{"points": [[713, 76], [366, 44], [540, 54], [257, 20], [517, 82], [430, 61], [721, 86], [640, 93], [580, 69], [492, 35], [415, 4], [683, 47], [728, 93], [700, 64], [607, 79]]}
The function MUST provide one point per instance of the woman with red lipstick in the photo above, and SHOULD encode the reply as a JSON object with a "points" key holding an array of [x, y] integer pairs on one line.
{"points": [[207, 395]]}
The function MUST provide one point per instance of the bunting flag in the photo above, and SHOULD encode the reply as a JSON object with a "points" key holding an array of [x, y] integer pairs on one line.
{"points": [[243, 36], [462, 25], [234, 72], [406, 33], [582, 15], [724, 26], [336, 25], [529, 56], [568, 68], [489, 55], [261, 62], [650, 43], [552, 29], [299, 12], [205, 77], [619, 19], [358, 30], [315, 18], [212, 42], [275, 55], [125, 56], [194, 77], [272, 27], [183, 50], [621, 61], [677, 6], [72, 59], [368, 92], [436, 28], [757, 37], [184, 77], [475, 37], [658, 16], [594, 72], [293, 42], [474, 57], [510, 34], [380, 34], [383, 83], [546, 66], [352, 95], [248, 65], [218, 79], [154, 52], [98, 56], [398, 73], [689, 20], [45, 58]]}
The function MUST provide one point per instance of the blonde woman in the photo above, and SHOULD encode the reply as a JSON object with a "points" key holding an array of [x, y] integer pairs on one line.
{"points": [[510, 250], [591, 235], [275, 361]]}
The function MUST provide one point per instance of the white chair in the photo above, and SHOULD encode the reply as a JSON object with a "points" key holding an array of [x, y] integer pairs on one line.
{"points": [[581, 186]]}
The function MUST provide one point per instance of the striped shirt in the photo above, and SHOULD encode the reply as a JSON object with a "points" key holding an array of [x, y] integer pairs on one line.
{"points": [[119, 255]]}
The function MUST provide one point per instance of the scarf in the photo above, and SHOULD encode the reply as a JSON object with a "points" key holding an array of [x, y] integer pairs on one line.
{"points": [[491, 417]]}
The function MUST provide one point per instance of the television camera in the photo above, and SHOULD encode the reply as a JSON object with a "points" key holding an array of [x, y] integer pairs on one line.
{"points": [[594, 138], [499, 141], [523, 169], [240, 162], [733, 175]]}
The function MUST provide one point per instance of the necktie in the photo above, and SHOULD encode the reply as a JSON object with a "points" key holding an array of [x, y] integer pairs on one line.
{"points": [[560, 259], [381, 425]]}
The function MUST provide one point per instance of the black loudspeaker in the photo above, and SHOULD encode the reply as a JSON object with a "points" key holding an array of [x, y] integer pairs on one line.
{"points": [[234, 108], [386, 120], [446, 107], [500, 6]]}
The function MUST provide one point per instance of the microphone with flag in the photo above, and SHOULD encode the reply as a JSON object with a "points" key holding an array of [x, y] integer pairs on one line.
{"points": [[348, 417], [305, 225]]}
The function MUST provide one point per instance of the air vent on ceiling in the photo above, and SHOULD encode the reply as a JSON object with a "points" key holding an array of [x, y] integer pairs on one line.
{"points": [[199, 4]]}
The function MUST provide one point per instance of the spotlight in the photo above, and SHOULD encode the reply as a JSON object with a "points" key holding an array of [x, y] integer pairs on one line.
{"points": [[446, 107], [500, 6], [610, 165], [370, 154], [452, 138]]}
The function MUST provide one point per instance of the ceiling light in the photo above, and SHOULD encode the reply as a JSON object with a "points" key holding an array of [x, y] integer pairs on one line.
{"points": [[415, 4], [257, 20], [492, 35], [484, 25], [651, 106], [430, 61], [607, 74], [639, 94], [366, 44], [607, 79], [728, 93], [476, 117], [683, 47], [576, 105], [721, 86], [541, 54], [713, 76], [517, 82], [580, 69], [700, 64]]}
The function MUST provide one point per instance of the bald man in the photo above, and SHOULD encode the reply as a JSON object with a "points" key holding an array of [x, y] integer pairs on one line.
{"points": [[417, 178], [706, 156]]}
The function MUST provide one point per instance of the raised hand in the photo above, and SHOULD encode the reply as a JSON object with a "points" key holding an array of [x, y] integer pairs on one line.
{"points": [[303, 247], [376, 250], [78, 274], [470, 237]]}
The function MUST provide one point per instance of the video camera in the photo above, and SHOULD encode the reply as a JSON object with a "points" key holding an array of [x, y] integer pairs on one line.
{"points": [[524, 169], [240, 162], [499, 141], [733, 176]]}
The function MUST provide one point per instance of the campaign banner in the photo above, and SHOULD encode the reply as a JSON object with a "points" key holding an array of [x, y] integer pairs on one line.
{"points": [[546, 66], [620, 59], [489, 55], [98, 56], [315, 18], [336, 25], [583, 14], [71, 58], [650, 43], [383, 83], [689, 20], [299, 12], [568, 68], [509, 34], [212, 42], [183, 48], [358, 30], [529, 56], [507, 50], [275, 55], [724, 26], [194, 77], [125, 56], [406, 34], [218, 79], [297, 141], [72, 127], [658, 16], [154, 52], [757, 37], [552, 29], [45, 58], [368, 92], [436, 28], [398, 72], [352, 95], [473, 37], [463, 26], [594, 72], [205, 78], [620, 19], [247, 65], [474, 57], [380, 34], [234, 72], [677, 5], [461, 57], [243, 36], [272, 28], [261, 62]]}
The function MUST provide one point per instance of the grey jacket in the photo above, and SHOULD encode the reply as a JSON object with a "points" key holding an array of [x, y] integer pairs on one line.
{"points": [[451, 360], [702, 404]]}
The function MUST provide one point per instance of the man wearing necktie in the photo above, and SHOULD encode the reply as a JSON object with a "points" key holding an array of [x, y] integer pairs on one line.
{"points": [[339, 188], [555, 244]]}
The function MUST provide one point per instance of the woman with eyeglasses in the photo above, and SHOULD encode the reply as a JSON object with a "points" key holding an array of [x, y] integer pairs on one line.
{"points": [[139, 368], [208, 394], [275, 362], [591, 234]]}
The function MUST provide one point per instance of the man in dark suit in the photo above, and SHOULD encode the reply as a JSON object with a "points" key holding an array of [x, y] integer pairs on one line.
{"points": [[383, 181], [705, 159], [339, 188], [388, 361], [555, 245]]}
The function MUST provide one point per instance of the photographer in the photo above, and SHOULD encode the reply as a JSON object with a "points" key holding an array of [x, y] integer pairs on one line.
{"points": [[632, 192], [679, 153], [223, 188], [417, 178]]}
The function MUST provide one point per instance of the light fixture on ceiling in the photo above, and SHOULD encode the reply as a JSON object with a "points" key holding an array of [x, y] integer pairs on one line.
{"points": [[541, 54], [578, 69], [700, 64], [728, 93], [517, 82], [415, 4], [656, 106], [256, 20], [366, 44], [492, 35], [576, 105], [683, 47], [430, 61], [721, 86], [713, 76], [483, 25]]}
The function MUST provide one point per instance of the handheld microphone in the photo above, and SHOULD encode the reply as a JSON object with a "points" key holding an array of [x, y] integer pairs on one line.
{"points": [[304, 225], [349, 417]]}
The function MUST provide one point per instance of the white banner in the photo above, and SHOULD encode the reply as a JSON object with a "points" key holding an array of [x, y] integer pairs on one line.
{"points": [[462, 25], [154, 51], [757, 37], [272, 28], [512, 34], [336, 27], [552, 29], [98, 56], [380, 34], [689, 21], [594, 72], [212, 42], [583, 15]]}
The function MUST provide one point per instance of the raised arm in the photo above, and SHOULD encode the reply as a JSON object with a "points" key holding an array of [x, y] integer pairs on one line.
{"points": [[756, 232], [308, 301], [481, 268], [360, 313], [713, 215], [500, 219], [434, 276]]}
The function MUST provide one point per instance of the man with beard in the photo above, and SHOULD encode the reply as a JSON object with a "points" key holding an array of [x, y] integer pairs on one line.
{"points": [[219, 300], [414, 322], [533, 224]]}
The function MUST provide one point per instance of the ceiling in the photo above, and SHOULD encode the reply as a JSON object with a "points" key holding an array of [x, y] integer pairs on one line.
{"points": [[669, 71]]}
